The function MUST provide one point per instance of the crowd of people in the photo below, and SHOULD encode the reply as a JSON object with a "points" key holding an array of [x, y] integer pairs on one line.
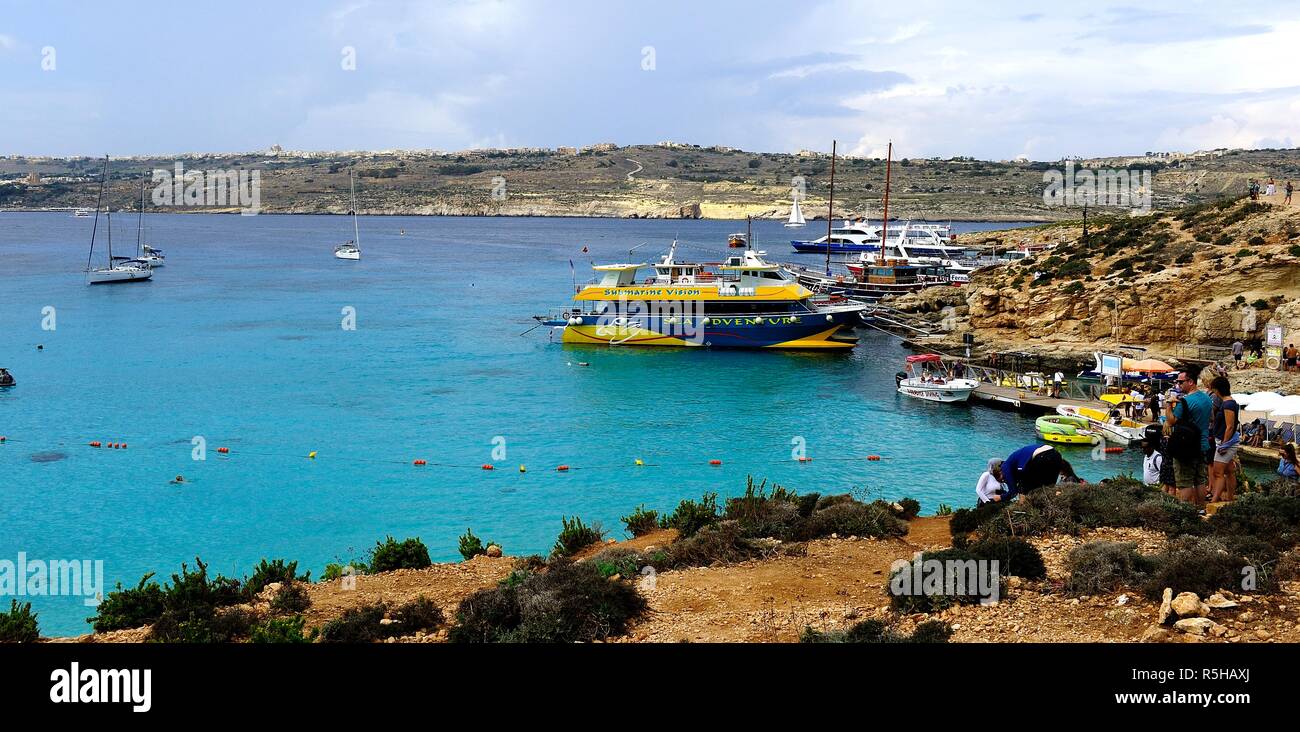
{"points": [[1189, 450]]}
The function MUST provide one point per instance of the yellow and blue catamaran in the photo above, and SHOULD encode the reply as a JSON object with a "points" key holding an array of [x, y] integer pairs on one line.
{"points": [[742, 302]]}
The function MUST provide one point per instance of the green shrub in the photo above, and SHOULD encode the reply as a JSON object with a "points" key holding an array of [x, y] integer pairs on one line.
{"points": [[570, 602], [911, 508], [722, 543], [690, 516], [1105, 566], [851, 518], [420, 614], [471, 546], [878, 631], [967, 520], [761, 515], [129, 608], [641, 522], [190, 608], [292, 597], [282, 630], [622, 562], [338, 570], [943, 510], [356, 625], [576, 536], [406, 554], [1162, 512], [1204, 565], [1015, 557], [958, 589], [1273, 517], [274, 571], [19, 624]]}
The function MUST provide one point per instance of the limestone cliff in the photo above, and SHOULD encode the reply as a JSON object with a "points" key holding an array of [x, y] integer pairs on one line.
{"points": [[1200, 275]]}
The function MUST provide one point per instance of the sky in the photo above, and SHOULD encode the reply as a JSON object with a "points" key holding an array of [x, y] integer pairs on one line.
{"points": [[991, 80]]}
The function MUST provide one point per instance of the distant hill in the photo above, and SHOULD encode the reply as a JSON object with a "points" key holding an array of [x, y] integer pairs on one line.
{"points": [[648, 181]]}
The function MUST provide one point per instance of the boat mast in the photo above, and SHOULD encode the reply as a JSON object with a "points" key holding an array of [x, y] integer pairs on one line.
{"points": [[139, 222], [98, 201], [884, 221], [749, 231], [356, 232], [830, 212]]}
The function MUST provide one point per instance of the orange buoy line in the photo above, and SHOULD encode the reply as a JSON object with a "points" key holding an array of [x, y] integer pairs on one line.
{"points": [[522, 468]]}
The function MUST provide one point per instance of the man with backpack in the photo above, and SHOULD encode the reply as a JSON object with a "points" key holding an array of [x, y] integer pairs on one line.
{"points": [[1187, 421]]}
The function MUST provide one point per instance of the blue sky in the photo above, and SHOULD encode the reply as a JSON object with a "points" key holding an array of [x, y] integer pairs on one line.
{"points": [[987, 79]]}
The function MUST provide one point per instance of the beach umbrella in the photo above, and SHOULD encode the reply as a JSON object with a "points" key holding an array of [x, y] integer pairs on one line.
{"points": [[1148, 366], [1261, 403], [1242, 399]]}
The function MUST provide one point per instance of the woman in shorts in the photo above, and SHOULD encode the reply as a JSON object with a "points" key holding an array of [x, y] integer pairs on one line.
{"points": [[1223, 427]]}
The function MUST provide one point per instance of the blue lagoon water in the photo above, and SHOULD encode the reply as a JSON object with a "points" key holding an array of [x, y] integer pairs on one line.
{"points": [[239, 340]]}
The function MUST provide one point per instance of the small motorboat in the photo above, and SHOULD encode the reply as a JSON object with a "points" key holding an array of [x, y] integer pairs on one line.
{"points": [[6, 378], [1114, 427], [927, 378], [1065, 430]]}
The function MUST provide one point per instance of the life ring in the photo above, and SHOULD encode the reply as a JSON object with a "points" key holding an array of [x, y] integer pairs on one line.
{"points": [[1272, 362]]}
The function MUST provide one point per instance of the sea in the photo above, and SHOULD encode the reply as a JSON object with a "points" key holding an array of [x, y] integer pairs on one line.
{"points": [[293, 392]]}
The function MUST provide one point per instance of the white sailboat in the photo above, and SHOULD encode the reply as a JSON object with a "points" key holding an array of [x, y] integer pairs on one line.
{"points": [[351, 249], [119, 269], [143, 252], [796, 215]]}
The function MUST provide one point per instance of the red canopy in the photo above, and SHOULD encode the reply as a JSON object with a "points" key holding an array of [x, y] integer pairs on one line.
{"points": [[925, 358]]}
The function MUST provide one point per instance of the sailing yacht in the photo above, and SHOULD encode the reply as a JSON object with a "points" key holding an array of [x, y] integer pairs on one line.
{"points": [[351, 249], [143, 252], [796, 215], [119, 269]]}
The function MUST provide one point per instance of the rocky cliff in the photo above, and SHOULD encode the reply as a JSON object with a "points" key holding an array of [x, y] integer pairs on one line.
{"points": [[1201, 275]]}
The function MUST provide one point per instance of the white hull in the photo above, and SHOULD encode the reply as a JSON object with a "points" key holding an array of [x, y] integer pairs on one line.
{"points": [[347, 255], [952, 390], [153, 262], [108, 276], [1118, 434]]}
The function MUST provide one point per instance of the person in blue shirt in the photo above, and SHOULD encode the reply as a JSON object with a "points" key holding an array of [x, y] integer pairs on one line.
{"points": [[1191, 472], [1286, 467], [1033, 466]]}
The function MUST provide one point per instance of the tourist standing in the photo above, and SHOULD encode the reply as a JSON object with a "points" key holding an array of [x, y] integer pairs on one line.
{"points": [[1238, 353], [1271, 188], [1058, 379], [1288, 190], [1289, 357], [1151, 463], [1187, 422], [1223, 468]]}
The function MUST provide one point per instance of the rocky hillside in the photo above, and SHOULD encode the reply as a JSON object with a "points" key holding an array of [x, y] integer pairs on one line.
{"points": [[1205, 274], [643, 181]]}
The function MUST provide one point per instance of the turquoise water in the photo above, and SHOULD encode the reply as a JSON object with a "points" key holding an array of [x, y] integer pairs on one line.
{"points": [[238, 340]]}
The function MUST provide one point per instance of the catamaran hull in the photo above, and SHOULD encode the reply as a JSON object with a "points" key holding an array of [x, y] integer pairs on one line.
{"points": [[814, 331]]}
